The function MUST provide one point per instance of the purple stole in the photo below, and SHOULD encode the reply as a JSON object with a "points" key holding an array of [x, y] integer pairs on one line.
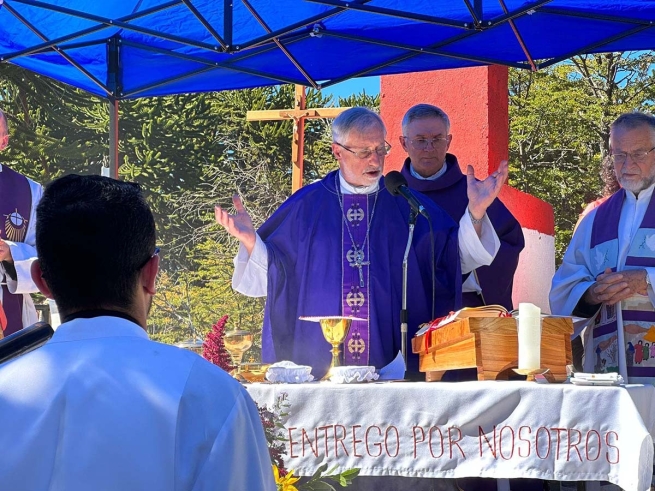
{"points": [[637, 312], [355, 298], [15, 209]]}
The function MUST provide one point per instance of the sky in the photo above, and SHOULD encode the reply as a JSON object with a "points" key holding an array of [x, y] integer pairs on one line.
{"points": [[354, 86]]}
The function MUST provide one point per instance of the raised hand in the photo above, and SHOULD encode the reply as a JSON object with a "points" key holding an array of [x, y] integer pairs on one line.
{"points": [[5, 252], [238, 225], [482, 193]]}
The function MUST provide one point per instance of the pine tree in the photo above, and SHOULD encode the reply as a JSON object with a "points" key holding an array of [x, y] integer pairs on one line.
{"points": [[213, 348]]}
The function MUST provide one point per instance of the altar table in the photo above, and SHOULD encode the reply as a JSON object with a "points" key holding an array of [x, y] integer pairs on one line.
{"points": [[496, 429]]}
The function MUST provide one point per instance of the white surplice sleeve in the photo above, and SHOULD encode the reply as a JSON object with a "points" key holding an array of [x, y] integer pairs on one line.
{"points": [[250, 275], [476, 251], [575, 275]]}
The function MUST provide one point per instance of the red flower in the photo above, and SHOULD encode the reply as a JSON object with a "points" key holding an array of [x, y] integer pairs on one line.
{"points": [[213, 348]]}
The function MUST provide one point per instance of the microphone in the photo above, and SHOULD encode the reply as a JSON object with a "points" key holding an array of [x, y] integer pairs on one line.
{"points": [[396, 184]]}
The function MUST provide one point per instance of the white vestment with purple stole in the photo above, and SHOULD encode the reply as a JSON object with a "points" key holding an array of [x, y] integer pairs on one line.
{"points": [[18, 199], [622, 338]]}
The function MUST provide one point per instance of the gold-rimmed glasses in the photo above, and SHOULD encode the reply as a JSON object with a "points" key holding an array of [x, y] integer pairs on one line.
{"points": [[367, 152]]}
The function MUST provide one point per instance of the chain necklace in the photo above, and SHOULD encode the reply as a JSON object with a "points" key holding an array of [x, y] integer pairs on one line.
{"points": [[359, 252]]}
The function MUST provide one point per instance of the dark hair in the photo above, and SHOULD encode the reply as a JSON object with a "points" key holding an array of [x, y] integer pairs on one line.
{"points": [[93, 234], [608, 177]]}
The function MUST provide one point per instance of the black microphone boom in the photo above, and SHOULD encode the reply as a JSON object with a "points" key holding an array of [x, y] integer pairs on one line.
{"points": [[396, 184]]}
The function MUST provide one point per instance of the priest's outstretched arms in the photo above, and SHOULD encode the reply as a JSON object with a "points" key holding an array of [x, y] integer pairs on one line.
{"points": [[335, 247]]}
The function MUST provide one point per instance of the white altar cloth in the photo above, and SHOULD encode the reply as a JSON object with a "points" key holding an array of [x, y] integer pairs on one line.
{"points": [[509, 429]]}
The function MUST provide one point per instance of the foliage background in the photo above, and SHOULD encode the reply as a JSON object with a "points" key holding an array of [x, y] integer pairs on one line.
{"points": [[192, 151]]}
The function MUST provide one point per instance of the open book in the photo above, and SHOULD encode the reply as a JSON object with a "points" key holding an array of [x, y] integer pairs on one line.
{"points": [[484, 311]]}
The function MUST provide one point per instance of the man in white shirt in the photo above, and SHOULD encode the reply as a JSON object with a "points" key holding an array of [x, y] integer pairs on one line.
{"points": [[18, 199], [609, 266], [100, 406]]}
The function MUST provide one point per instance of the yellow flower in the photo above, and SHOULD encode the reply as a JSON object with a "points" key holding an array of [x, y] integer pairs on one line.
{"points": [[285, 483]]}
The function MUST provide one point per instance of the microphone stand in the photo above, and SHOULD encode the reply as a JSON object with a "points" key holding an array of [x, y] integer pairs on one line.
{"points": [[403, 311]]}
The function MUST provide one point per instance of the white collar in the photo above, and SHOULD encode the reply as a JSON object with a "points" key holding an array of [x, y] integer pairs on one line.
{"points": [[644, 194], [433, 177], [350, 189], [97, 327]]}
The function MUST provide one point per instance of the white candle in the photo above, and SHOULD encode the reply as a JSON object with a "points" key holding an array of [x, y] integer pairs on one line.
{"points": [[529, 330]]}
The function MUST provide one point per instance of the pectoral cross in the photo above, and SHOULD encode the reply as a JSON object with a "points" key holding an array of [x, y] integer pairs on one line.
{"points": [[358, 263]]}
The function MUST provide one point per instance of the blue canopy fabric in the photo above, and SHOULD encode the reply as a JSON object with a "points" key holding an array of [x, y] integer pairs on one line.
{"points": [[135, 48]]}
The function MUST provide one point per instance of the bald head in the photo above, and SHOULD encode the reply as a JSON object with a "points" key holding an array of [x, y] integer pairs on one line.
{"points": [[4, 131]]}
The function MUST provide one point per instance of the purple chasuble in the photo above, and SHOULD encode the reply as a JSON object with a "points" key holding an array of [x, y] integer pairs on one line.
{"points": [[449, 192], [637, 312], [308, 274], [356, 299], [15, 209]]}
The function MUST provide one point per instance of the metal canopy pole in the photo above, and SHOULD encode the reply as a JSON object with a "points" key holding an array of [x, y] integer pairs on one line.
{"points": [[113, 77], [113, 138]]}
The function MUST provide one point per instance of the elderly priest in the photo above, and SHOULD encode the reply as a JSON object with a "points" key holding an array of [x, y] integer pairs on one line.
{"points": [[609, 268], [336, 248]]}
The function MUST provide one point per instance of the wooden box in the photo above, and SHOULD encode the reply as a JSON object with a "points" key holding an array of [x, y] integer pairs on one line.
{"points": [[490, 344]]}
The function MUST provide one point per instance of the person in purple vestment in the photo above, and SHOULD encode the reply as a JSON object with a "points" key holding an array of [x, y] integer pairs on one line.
{"points": [[335, 247], [483, 219], [18, 199]]}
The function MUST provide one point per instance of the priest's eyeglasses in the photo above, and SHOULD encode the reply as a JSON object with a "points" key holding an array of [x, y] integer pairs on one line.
{"points": [[367, 152], [143, 264], [422, 143], [637, 157]]}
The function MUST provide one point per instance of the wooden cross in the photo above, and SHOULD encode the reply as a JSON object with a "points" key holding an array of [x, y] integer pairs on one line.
{"points": [[299, 113]]}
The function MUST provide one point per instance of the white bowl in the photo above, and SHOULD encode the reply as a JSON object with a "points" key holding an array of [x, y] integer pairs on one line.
{"points": [[290, 373], [353, 374]]}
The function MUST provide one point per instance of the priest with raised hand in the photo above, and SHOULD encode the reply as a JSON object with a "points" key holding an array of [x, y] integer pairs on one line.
{"points": [[490, 238], [336, 248]]}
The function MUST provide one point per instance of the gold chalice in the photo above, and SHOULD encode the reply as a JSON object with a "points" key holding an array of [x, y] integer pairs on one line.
{"points": [[335, 329], [237, 343]]}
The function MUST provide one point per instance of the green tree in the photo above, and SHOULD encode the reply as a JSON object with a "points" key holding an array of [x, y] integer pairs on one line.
{"points": [[559, 127]]}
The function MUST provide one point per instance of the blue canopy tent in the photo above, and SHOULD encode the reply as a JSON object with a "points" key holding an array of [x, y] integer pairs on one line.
{"points": [[123, 49]]}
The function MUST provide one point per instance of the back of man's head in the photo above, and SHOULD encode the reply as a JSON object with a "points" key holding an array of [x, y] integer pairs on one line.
{"points": [[93, 236]]}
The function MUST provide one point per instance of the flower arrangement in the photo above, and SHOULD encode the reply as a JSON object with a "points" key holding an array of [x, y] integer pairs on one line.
{"points": [[273, 418], [273, 422], [213, 348]]}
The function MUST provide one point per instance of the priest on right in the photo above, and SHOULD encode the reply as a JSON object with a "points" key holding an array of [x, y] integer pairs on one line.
{"points": [[608, 269]]}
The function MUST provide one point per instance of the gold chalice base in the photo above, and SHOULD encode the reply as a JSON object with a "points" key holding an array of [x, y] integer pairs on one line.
{"points": [[254, 372]]}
